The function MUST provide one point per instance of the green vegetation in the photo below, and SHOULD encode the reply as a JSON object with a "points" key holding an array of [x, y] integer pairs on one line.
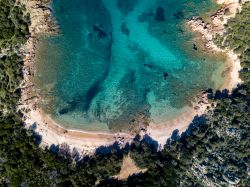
{"points": [[10, 78], [214, 151], [13, 27], [13, 31], [238, 31]]}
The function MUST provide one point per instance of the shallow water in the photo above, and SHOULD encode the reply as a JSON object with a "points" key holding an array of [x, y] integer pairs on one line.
{"points": [[116, 59]]}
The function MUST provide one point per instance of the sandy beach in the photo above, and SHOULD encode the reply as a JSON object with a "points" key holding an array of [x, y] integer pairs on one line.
{"points": [[86, 142]]}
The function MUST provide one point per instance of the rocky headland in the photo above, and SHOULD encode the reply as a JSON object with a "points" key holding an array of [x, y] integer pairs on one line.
{"points": [[209, 31]]}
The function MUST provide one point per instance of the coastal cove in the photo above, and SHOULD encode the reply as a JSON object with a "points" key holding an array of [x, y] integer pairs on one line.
{"points": [[160, 127], [206, 144], [95, 76]]}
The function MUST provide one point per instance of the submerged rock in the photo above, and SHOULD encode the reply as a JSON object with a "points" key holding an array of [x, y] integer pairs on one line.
{"points": [[101, 33], [63, 111], [178, 15], [149, 66], [195, 47], [125, 29], [160, 15], [165, 75]]}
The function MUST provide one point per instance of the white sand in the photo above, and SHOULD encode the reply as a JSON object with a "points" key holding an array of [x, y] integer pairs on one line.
{"points": [[85, 142], [161, 132]]}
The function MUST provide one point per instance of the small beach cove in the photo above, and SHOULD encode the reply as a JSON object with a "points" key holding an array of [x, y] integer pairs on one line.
{"points": [[53, 133]]}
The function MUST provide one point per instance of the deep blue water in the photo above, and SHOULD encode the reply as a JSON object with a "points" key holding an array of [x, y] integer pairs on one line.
{"points": [[117, 59]]}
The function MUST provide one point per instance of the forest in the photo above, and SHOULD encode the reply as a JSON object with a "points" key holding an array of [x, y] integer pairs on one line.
{"points": [[214, 150]]}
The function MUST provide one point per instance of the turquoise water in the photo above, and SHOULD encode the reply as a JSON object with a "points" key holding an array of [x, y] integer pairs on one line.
{"points": [[116, 59]]}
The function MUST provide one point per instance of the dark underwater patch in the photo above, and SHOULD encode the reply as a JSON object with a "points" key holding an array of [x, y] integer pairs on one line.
{"points": [[100, 32], [160, 14]]}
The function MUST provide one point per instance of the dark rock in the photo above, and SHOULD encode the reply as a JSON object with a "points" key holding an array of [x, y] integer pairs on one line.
{"points": [[64, 111], [101, 33], [160, 15], [181, 30], [195, 47], [150, 66], [124, 29], [165, 75], [178, 15]]}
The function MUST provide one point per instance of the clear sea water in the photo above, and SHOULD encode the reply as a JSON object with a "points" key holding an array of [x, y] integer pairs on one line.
{"points": [[117, 59]]}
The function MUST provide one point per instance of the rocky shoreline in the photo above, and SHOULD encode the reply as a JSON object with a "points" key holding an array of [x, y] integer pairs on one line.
{"points": [[41, 23], [209, 31], [86, 142]]}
